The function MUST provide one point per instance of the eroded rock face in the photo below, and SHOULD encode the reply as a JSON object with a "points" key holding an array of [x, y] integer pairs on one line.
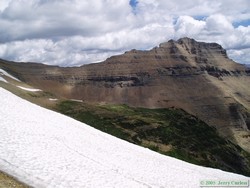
{"points": [[195, 76]]}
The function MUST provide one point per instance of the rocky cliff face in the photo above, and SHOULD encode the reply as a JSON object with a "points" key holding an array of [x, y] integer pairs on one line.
{"points": [[195, 76]]}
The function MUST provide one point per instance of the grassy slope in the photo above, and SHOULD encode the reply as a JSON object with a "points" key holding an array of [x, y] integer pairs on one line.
{"points": [[168, 131]]}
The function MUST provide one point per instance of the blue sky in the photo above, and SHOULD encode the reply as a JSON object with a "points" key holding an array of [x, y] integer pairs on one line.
{"points": [[242, 23], [75, 32], [133, 3]]}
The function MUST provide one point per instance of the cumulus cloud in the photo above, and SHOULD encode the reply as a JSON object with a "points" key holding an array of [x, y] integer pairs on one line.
{"points": [[242, 55], [74, 32], [218, 24], [188, 26], [24, 19]]}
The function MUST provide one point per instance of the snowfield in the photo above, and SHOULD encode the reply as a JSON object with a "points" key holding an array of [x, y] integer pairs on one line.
{"points": [[46, 149]]}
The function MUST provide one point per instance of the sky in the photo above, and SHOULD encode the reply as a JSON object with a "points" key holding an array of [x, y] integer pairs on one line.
{"points": [[76, 32]]}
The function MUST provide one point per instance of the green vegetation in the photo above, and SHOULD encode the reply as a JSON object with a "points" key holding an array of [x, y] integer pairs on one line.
{"points": [[171, 132]]}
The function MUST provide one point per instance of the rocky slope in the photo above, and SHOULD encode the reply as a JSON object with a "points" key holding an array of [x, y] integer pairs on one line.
{"points": [[195, 76]]}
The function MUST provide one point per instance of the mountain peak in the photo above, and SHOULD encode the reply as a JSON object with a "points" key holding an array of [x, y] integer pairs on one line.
{"points": [[203, 51], [179, 41], [186, 40]]}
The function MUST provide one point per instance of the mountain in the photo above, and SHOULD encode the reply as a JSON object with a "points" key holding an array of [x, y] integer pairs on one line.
{"points": [[43, 148], [195, 76]]}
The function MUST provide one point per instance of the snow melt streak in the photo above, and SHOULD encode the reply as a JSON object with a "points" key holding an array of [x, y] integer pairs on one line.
{"points": [[29, 89], [47, 149], [2, 79], [3, 72]]}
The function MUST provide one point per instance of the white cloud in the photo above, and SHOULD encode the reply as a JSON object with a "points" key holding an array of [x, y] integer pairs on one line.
{"points": [[45, 19], [242, 55], [188, 26], [4, 4], [218, 24], [49, 52], [74, 32]]}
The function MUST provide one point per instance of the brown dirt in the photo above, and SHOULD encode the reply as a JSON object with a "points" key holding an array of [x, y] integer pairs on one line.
{"points": [[7, 181]]}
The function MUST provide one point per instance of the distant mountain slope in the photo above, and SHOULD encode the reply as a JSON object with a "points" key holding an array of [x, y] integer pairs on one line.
{"points": [[195, 76], [46, 149]]}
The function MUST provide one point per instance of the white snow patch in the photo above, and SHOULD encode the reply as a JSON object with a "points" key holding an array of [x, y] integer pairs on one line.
{"points": [[3, 80], [3, 72], [46, 149], [52, 99], [76, 100], [29, 89]]}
